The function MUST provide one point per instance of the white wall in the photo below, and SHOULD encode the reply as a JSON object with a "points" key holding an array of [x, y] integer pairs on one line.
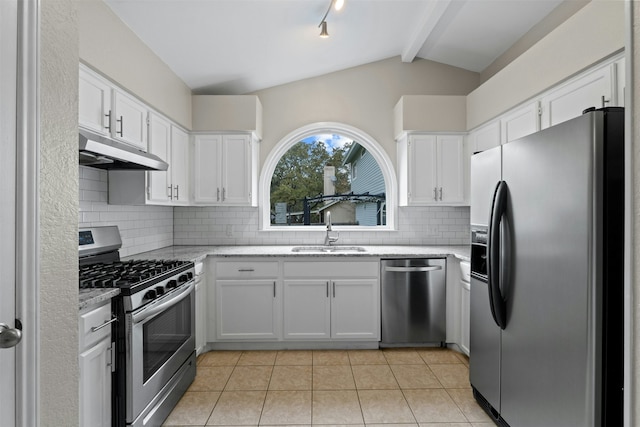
{"points": [[58, 352], [363, 97]]}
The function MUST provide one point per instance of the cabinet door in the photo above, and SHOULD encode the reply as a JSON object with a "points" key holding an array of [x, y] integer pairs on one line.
{"points": [[423, 186], [246, 309], [207, 157], [355, 309], [465, 301], [236, 169], [159, 144], [179, 167], [130, 120], [450, 168], [571, 99], [201, 314], [521, 122], [307, 309], [94, 103], [486, 137], [95, 385]]}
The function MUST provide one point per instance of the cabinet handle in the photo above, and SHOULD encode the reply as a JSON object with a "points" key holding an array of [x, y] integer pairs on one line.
{"points": [[604, 101], [177, 192], [327, 289], [244, 270], [274, 288], [108, 116], [170, 188], [334, 289], [106, 323], [218, 195], [224, 193], [121, 131], [440, 193], [435, 193]]}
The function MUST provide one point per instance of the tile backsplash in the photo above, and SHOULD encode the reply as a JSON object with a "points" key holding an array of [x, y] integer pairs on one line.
{"points": [[144, 228], [239, 226]]}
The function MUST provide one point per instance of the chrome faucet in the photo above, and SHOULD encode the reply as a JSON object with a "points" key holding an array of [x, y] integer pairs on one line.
{"points": [[332, 236]]}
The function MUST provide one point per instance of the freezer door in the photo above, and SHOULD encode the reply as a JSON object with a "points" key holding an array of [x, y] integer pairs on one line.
{"points": [[548, 344], [484, 350], [485, 174]]}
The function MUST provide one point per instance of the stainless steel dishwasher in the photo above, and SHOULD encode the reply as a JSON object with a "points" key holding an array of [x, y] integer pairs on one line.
{"points": [[413, 296]]}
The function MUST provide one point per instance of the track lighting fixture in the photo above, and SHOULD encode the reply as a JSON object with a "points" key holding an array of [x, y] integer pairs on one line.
{"points": [[337, 4]]}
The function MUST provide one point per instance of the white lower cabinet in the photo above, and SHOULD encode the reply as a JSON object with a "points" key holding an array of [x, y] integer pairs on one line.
{"points": [[247, 300], [95, 362], [247, 309], [201, 308], [465, 306], [257, 300], [331, 300]]}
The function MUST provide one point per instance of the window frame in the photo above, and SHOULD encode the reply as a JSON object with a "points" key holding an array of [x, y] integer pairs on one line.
{"points": [[364, 139]]}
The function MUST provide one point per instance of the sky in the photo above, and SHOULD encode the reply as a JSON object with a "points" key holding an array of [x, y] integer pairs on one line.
{"points": [[332, 141]]}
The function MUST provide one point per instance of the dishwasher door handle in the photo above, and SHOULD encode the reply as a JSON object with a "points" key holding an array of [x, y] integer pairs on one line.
{"points": [[412, 269]]}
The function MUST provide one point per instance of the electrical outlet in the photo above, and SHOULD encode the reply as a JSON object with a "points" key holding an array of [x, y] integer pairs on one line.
{"points": [[229, 230]]}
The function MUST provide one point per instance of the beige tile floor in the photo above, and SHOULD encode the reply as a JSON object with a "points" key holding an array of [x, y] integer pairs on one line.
{"points": [[391, 387]]}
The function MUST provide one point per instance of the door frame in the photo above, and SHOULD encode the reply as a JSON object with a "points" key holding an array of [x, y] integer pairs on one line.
{"points": [[27, 214]]}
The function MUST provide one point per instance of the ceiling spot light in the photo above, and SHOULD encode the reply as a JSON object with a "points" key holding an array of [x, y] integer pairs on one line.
{"points": [[337, 4], [323, 33]]}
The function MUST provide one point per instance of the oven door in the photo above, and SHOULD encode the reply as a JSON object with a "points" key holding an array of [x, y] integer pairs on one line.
{"points": [[161, 338]]}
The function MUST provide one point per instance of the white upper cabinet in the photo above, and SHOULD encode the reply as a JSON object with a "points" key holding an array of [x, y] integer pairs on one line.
{"points": [[431, 170], [594, 89], [130, 120], [108, 110], [94, 102], [159, 182], [170, 187], [486, 137], [225, 169], [520, 122], [179, 166]]}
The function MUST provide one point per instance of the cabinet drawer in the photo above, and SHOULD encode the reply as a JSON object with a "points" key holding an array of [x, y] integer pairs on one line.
{"points": [[91, 320], [246, 269], [465, 271], [331, 269]]}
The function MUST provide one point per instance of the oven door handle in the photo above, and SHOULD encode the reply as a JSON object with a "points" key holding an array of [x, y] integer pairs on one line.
{"points": [[154, 310]]}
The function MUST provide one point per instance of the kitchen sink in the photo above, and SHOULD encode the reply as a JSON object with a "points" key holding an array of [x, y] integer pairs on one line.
{"points": [[314, 249]]}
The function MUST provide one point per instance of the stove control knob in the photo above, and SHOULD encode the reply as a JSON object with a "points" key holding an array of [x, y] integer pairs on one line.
{"points": [[160, 290], [183, 278], [150, 294], [190, 275], [172, 284]]}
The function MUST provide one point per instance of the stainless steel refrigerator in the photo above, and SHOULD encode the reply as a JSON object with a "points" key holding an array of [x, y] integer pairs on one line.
{"points": [[547, 221]]}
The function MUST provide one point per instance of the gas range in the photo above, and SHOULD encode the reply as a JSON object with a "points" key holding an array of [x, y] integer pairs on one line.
{"points": [[155, 332], [101, 267]]}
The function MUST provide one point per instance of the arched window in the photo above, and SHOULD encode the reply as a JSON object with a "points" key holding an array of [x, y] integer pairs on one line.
{"points": [[311, 171]]}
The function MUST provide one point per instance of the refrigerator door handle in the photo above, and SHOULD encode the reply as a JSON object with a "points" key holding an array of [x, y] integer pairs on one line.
{"points": [[496, 300]]}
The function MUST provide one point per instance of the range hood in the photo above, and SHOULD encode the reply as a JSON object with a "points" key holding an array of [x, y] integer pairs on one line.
{"points": [[100, 152]]}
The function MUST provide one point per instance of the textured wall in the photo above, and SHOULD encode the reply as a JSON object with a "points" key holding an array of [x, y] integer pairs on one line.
{"points": [[58, 214]]}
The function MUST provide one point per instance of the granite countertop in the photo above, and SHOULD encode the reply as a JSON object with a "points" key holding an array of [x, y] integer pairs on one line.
{"points": [[198, 253], [93, 297]]}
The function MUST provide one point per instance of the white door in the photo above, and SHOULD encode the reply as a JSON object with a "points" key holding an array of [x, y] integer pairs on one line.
{"points": [[307, 309], [159, 144], [355, 309], [423, 179], [180, 165], [449, 167], [236, 152], [8, 63]]}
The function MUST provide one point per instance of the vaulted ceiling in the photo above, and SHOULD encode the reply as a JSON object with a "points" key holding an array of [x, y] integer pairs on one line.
{"points": [[241, 46]]}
